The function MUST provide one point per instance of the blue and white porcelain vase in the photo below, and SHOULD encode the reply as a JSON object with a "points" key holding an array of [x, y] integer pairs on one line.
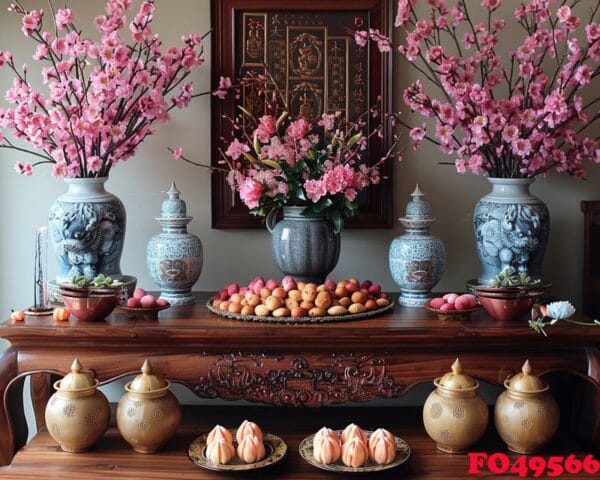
{"points": [[307, 248], [87, 230], [417, 259], [511, 229], [174, 256]]}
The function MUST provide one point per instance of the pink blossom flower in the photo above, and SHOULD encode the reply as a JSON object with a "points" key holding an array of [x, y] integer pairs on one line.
{"points": [[315, 190], [327, 121], [24, 169], [59, 170], [298, 129], [94, 164], [521, 147], [361, 37], [250, 192], [177, 153], [491, 4], [403, 9], [64, 16], [267, 126], [236, 149], [418, 133], [31, 22], [224, 86], [583, 74], [563, 13]]}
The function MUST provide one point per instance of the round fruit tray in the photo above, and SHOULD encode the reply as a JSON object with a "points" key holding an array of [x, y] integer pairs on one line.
{"points": [[325, 319]]}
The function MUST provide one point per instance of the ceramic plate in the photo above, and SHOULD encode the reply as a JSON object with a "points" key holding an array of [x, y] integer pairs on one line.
{"points": [[306, 452], [141, 312], [329, 318], [275, 448], [453, 314]]}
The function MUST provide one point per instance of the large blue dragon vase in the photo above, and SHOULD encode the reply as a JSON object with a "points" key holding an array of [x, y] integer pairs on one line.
{"points": [[87, 230], [511, 229]]}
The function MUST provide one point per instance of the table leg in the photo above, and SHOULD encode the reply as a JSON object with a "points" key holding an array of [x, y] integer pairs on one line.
{"points": [[13, 426], [40, 387]]}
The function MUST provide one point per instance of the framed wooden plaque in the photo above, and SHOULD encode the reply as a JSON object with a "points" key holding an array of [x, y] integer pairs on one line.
{"points": [[315, 62]]}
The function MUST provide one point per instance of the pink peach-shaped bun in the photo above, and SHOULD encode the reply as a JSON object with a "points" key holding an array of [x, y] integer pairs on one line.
{"points": [[366, 284], [133, 302], [287, 278], [465, 302], [161, 302], [436, 302], [352, 287], [450, 297], [148, 301], [271, 284], [243, 291], [447, 307], [330, 284], [375, 289], [139, 293]]}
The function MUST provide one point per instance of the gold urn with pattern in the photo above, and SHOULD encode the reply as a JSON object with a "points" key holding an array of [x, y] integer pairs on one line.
{"points": [[148, 415], [77, 415], [526, 415], [455, 416]]}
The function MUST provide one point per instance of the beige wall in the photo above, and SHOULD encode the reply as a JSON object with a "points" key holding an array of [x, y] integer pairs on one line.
{"points": [[240, 255]]}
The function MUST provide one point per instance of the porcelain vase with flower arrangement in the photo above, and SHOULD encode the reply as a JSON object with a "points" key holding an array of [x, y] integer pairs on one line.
{"points": [[511, 117], [102, 100], [312, 169]]}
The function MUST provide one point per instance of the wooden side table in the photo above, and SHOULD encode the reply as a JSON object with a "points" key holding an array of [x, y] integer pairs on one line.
{"points": [[300, 366]]}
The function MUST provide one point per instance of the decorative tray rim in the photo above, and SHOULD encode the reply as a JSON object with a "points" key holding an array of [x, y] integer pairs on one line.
{"points": [[401, 446], [327, 319], [273, 440]]}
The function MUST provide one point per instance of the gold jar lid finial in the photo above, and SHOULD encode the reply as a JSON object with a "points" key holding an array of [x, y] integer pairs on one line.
{"points": [[456, 379], [525, 381], [77, 379], [147, 381]]}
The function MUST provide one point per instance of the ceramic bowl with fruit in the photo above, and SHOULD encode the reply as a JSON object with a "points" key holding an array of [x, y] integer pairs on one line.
{"points": [[296, 302], [91, 300], [143, 304], [453, 306]]}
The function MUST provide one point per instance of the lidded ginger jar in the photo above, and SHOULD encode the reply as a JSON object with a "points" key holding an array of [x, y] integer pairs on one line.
{"points": [[455, 415], [77, 415], [526, 415], [148, 415]]}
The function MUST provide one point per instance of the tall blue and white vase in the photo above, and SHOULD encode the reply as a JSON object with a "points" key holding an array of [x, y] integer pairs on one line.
{"points": [[87, 230], [417, 259], [174, 256], [511, 229]]}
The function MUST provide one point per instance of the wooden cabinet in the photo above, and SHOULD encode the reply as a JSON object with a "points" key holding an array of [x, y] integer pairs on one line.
{"points": [[295, 369]]}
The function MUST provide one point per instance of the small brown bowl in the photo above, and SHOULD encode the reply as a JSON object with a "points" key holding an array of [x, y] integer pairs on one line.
{"points": [[453, 314], [91, 308]]}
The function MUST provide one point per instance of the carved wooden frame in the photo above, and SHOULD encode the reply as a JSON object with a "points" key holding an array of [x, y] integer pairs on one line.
{"points": [[227, 210]]}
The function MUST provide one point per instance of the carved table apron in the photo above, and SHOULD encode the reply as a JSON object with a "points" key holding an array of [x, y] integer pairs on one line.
{"points": [[302, 365]]}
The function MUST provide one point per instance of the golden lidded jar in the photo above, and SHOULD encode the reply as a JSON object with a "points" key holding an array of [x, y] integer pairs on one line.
{"points": [[77, 415], [455, 416], [526, 415], [148, 415]]}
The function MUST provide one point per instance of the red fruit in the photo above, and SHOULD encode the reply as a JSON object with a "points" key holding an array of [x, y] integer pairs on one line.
{"points": [[148, 301], [465, 302], [366, 284], [447, 307], [258, 284], [450, 297], [437, 302], [352, 287], [271, 284], [222, 295], [330, 284], [133, 302], [161, 302], [375, 289], [232, 288], [243, 290], [286, 279], [291, 285], [384, 295], [139, 293]]}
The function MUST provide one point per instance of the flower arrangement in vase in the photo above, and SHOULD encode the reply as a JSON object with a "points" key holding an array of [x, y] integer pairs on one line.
{"points": [[312, 170], [508, 117], [102, 99]]}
